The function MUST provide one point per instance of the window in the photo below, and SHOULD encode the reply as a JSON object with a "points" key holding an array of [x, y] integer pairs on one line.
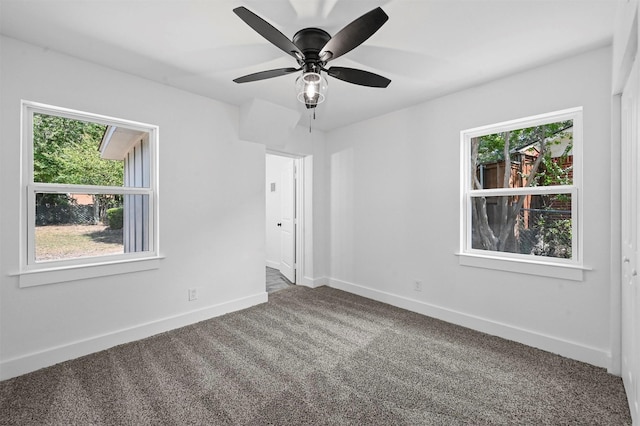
{"points": [[520, 189], [90, 184]]}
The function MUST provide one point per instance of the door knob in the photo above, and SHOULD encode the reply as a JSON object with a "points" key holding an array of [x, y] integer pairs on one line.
{"points": [[279, 224]]}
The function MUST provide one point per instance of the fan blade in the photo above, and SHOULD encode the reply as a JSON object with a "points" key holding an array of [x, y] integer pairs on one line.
{"points": [[361, 77], [267, 31], [262, 75], [354, 34]]}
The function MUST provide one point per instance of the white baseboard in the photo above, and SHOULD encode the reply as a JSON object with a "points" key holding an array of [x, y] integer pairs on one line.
{"points": [[273, 264], [45, 358], [314, 282], [573, 350]]}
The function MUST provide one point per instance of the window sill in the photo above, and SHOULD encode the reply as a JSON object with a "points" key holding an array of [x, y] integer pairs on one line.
{"points": [[520, 266], [54, 275]]}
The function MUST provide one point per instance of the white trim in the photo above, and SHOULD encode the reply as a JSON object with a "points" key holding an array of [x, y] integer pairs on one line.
{"points": [[87, 189], [531, 190], [314, 282], [520, 123], [30, 362], [500, 260], [106, 120], [520, 265], [273, 264], [574, 350], [92, 266], [615, 291], [299, 220], [59, 274]]}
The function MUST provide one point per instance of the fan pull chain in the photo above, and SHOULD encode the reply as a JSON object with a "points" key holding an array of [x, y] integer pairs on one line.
{"points": [[314, 117], [311, 117]]}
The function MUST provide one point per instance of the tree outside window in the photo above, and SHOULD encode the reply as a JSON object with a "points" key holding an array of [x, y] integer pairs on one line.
{"points": [[65, 151], [90, 185], [521, 197]]}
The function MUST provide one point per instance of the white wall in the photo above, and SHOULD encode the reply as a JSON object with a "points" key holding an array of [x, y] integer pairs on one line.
{"points": [[274, 168], [211, 215], [393, 187]]}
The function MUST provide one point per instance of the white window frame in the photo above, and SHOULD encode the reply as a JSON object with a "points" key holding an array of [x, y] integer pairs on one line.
{"points": [[51, 271], [515, 262]]}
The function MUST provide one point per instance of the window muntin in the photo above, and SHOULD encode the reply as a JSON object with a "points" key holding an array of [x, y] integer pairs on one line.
{"points": [[80, 169], [520, 188]]}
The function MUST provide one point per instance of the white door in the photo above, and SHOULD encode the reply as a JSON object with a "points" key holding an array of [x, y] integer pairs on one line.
{"points": [[630, 255], [287, 223]]}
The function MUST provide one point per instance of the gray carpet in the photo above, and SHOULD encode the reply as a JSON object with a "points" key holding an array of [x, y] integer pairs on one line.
{"points": [[317, 357]]}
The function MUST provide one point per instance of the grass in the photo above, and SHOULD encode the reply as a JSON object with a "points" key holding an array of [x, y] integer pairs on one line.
{"points": [[56, 242]]}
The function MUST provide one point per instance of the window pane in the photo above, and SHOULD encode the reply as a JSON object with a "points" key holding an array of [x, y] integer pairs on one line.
{"points": [[534, 156], [537, 225], [70, 226], [68, 151]]}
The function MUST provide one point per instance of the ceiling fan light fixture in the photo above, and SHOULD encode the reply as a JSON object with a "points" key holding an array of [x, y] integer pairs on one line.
{"points": [[312, 48], [311, 88]]}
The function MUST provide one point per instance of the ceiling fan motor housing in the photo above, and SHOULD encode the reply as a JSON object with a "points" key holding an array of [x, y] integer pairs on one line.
{"points": [[310, 41]]}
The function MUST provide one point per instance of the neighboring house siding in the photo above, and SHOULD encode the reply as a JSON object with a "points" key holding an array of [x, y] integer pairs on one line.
{"points": [[136, 207]]}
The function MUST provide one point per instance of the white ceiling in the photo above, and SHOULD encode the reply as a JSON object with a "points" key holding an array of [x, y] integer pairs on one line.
{"points": [[427, 47]]}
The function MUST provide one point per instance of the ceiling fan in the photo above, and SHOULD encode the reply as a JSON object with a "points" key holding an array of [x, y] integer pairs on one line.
{"points": [[313, 48]]}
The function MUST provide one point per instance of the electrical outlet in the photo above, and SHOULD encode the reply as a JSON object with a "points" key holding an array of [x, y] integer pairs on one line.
{"points": [[417, 285], [193, 294]]}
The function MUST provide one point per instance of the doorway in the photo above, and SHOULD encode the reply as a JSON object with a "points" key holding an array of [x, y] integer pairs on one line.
{"points": [[283, 211]]}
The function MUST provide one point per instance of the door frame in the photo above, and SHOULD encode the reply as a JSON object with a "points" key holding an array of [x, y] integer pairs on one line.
{"points": [[299, 222], [628, 324]]}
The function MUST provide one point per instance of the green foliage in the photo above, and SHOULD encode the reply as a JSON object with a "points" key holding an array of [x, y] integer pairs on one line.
{"points": [[491, 147], [554, 238], [115, 217], [82, 165], [554, 172], [66, 151]]}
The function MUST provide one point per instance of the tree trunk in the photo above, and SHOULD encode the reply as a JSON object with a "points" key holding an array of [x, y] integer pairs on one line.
{"points": [[504, 201], [515, 210], [479, 205]]}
